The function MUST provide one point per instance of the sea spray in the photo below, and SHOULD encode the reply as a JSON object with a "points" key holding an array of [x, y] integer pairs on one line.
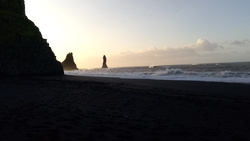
{"points": [[217, 72]]}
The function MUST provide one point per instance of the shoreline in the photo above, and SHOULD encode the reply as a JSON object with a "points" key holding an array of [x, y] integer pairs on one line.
{"points": [[185, 78], [61, 108], [198, 86]]}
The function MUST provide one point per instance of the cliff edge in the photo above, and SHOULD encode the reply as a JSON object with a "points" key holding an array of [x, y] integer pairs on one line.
{"points": [[23, 50]]}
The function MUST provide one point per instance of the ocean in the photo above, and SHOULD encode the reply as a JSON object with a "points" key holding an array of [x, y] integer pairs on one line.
{"points": [[211, 72]]}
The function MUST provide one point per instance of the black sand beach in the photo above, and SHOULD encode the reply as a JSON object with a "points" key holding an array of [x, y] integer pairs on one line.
{"points": [[73, 108]]}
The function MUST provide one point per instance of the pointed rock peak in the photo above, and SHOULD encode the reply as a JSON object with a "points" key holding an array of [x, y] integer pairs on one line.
{"points": [[68, 63], [104, 64]]}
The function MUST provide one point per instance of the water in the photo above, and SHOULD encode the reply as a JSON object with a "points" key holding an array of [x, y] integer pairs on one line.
{"points": [[214, 72]]}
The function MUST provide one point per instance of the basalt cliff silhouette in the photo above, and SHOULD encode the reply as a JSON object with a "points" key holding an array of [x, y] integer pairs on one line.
{"points": [[23, 51], [68, 63]]}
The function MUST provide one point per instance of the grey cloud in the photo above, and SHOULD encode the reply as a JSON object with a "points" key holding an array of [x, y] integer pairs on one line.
{"points": [[200, 51], [237, 42], [205, 45]]}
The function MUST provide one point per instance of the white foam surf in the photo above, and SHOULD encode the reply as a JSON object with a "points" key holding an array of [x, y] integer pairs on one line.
{"points": [[184, 73]]}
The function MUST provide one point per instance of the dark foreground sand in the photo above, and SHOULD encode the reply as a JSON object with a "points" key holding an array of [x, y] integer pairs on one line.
{"points": [[71, 108]]}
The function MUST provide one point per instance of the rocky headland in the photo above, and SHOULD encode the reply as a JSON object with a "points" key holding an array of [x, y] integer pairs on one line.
{"points": [[23, 51]]}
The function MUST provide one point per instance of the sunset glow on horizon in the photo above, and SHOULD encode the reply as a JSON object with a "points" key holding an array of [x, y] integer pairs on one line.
{"points": [[144, 32]]}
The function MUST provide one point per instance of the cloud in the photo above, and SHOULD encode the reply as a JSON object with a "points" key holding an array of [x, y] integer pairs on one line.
{"points": [[194, 49], [165, 55], [204, 45], [163, 52], [153, 56], [237, 42], [201, 51], [190, 50]]}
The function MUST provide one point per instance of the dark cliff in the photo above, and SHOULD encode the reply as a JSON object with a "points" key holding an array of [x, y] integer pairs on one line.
{"points": [[68, 63], [22, 47]]}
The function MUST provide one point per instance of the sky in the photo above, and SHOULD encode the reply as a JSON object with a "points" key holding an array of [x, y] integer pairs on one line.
{"points": [[144, 32]]}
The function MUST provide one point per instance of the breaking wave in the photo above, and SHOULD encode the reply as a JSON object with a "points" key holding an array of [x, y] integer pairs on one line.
{"points": [[204, 72]]}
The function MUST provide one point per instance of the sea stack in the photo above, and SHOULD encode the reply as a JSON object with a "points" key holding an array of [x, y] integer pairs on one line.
{"points": [[68, 63], [104, 64], [23, 51]]}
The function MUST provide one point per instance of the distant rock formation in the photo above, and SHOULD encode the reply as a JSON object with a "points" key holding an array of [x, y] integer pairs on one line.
{"points": [[68, 63], [104, 64], [23, 51]]}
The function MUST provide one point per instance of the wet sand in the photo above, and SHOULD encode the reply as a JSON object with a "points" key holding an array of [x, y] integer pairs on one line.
{"points": [[73, 108]]}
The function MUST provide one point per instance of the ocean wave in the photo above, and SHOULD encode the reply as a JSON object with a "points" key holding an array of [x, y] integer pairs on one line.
{"points": [[174, 71], [200, 73]]}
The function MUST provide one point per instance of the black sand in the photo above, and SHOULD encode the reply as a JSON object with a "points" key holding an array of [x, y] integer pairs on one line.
{"points": [[71, 108]]}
